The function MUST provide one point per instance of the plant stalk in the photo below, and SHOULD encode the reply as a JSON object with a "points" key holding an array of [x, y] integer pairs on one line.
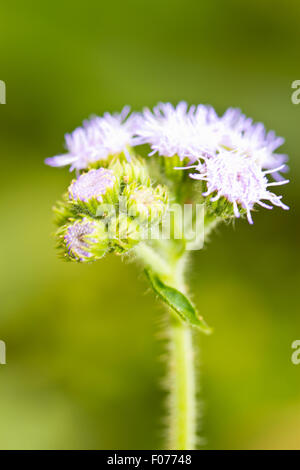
{"points": [[181, 376], [182, 381]]}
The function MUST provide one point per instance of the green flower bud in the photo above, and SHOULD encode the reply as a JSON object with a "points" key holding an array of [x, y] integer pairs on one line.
{"points": [[128, 172], [83, 240], [94, 188], [146, 203], [124, 233]]}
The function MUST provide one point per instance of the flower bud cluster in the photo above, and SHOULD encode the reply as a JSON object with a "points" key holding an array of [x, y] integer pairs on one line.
{"points": [[109, 210]]}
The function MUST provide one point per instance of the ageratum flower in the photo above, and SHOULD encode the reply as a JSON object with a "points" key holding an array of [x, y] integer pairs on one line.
{"points": [[239, 179], [85, 240], [175, 131], [96, 140], [92, 185], [197, 132], [235, 131]]}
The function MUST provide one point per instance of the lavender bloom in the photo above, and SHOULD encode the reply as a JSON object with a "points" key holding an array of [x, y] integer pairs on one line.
{"points": [[197, 132], [92, 185], [76, 239], [97, 139], [237, 132], [239, 179], [173, 131]]}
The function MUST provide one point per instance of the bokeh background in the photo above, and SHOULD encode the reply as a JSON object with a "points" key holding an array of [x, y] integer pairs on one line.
{"points": [[83, 358]]}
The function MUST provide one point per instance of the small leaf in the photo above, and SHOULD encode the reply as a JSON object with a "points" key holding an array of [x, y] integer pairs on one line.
{"points": [[178, 302]]}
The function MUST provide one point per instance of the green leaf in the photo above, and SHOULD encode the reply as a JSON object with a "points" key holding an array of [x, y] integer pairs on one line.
{"points": [[178, 302]]}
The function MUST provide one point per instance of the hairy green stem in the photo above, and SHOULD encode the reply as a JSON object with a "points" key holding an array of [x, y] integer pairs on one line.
{"points": [[183, 419], [181, 379], [152, 259], [182, 426]]}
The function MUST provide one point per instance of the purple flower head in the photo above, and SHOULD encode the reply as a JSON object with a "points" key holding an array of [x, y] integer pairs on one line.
{"points": [[97, 139], [196, 132], [237, 132], [76, 239], [239, 179], [173, 131], [92, 185]]}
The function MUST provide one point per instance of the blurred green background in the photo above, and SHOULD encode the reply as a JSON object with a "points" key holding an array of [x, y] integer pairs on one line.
{"points": [[83, 358]]}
